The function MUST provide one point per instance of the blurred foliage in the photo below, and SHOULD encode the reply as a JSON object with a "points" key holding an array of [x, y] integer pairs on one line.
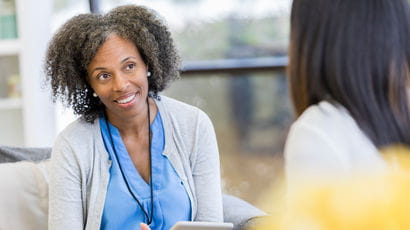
{"points": [[233, 37]]}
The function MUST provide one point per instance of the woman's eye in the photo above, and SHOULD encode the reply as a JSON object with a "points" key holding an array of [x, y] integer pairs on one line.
{"points": [[103, 76], [130, 66]]}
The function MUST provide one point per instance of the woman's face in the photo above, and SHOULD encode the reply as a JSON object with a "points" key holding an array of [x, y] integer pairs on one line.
{"points": [[118, 75]]}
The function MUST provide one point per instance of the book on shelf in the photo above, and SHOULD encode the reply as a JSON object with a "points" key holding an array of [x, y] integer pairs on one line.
{"points": [[8, 19]]}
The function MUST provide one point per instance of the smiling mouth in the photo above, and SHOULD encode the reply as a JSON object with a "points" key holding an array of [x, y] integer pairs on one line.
{"points": [[126, 100]]}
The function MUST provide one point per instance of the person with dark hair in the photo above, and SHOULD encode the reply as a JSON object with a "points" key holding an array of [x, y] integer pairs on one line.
{"points": [[349, 74], [133, 156]]}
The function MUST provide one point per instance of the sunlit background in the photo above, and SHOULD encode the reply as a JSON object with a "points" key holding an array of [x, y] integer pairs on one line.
{"points": [[249, 107]]}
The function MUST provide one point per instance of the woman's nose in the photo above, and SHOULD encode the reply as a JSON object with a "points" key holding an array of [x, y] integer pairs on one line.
{"points": [[120, 82]]}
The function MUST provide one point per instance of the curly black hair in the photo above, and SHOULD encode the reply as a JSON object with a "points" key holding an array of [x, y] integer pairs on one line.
{"points": [[75, 44]]}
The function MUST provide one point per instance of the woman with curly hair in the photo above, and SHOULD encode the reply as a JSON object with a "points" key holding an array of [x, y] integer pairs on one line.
{"points": [[133, 156]]}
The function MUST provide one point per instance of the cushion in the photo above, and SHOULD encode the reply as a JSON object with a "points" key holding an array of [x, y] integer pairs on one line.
{"points": [[24, 195]]}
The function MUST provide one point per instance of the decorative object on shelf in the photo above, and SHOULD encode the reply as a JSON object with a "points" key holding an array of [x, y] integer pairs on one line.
{"points": [[8, 19], [13, 86]]}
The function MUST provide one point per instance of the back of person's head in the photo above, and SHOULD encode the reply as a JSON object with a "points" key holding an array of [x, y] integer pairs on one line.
{"points": [[355, 53]]}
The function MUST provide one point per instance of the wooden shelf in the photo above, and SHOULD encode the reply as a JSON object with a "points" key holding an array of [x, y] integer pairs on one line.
{"points": [[10, 103], [9, 47]]}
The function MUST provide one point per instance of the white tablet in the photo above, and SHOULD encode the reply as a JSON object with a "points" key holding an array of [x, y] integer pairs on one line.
{"points": [[189, 225]]}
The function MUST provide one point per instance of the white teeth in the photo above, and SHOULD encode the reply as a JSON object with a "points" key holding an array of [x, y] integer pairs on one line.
{"points": [[126, 100]]}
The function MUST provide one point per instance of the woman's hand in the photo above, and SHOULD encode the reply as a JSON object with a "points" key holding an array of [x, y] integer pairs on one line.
{"points": [[144, 227]]}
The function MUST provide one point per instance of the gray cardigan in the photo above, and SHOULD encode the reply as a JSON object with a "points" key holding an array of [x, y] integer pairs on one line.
{"points": [[80, 167]]}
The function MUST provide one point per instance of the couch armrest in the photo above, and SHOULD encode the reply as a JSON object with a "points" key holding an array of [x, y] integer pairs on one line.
{"points": [[239, 212]]}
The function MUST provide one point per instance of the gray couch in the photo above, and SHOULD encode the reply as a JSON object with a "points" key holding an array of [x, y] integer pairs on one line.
{"points": [[24, 192]]}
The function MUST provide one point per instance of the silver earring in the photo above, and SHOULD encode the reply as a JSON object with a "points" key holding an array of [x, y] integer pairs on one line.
{"points": [[95, 95], [148, 74]]}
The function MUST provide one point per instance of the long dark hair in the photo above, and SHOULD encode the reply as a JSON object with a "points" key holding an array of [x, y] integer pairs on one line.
{"points": [[355, 53]]}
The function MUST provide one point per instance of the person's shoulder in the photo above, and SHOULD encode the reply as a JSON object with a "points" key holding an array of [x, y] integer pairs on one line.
{"points": [[78, 130], [324, 114], [330, 122], [180, 108], [176, 104], [183, 114]]}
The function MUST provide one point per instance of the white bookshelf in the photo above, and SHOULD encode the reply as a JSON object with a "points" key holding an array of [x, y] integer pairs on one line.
{"points": [[10, 47], [26, 119], [10, 103]]}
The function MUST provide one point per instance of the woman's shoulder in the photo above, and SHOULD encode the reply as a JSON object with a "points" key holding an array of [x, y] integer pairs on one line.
{"points": [[182, 119], [326, 136], [79, 140], [330, 122], [179, 109], [78, 130], [326, 122], [175, 104], [325, 115]]}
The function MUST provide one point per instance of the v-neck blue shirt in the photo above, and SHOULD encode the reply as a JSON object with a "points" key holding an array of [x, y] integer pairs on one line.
{"points": [[121, 210]]}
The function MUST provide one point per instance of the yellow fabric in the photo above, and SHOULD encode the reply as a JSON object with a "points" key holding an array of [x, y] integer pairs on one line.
{"points": [[378, 201]]}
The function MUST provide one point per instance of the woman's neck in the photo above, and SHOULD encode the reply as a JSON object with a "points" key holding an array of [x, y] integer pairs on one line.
{"points": [[137, 124]]}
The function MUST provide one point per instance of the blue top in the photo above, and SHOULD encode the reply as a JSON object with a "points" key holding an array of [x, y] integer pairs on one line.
{"points": [[121, 210]]}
